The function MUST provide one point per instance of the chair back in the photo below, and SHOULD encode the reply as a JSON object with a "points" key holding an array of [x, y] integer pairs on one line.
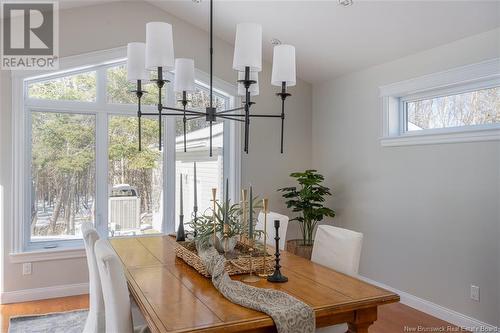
{"points": [[338, 249], [271, 231], [114, 289], [96, 319]]}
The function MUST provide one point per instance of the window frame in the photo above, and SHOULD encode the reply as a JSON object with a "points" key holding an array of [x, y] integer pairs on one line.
{"points": [[459, 80], [22, 108]]}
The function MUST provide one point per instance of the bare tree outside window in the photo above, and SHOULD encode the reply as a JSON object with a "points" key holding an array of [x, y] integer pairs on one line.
{"points": [[478, 107], [135, 177], [63, 174], [63, 156], [119, 89], [78, 87]]}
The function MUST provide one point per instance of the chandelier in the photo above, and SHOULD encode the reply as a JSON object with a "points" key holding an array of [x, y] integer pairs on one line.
{"points": [[157, 54]]}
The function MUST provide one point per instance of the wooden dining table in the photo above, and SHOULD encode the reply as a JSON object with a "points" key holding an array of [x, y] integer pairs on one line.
{"points": [[174, 297]]}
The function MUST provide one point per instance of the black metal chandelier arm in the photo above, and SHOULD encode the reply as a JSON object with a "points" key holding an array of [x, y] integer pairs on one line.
{"points": [[264, 115], [162, 114], [230, 110], [252, 115], [182, 110], [231, 118], [195, 117]]}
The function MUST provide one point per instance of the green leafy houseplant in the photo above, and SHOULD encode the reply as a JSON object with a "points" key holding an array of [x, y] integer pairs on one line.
{"points": [[308, 199]]}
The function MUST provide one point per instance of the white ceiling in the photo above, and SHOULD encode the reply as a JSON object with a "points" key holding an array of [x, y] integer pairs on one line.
{"points": [[332, 40]]}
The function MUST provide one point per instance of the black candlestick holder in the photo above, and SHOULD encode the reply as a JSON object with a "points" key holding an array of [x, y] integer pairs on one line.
{"points": [[181, 236], [277, 276]]}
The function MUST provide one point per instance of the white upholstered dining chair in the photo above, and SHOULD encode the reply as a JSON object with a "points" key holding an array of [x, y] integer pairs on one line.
{"points": [[95, 320], [271, 232], [115, 291], [338, 249]]}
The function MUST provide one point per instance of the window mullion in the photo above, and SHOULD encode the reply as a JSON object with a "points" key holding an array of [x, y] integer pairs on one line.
{"points": [[101, 169], [169, 167], [28, 199], [101, 90]]}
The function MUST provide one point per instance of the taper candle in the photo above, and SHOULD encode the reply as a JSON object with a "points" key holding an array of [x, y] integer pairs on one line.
{"points": [[214, 195], [226, 195], [181, 236], [250, 214], [181, 204], [195, 209], [265, 206], [244, 194]]}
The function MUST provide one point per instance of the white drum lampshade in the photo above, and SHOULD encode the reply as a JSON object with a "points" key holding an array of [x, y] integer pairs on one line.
{"points": [[283, 65], [136, 66], [254, 88], [159, 46], [248, 47], [184, 75]]}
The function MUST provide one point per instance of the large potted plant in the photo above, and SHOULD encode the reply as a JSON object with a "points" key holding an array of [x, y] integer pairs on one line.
{"points": [[306, 199]]}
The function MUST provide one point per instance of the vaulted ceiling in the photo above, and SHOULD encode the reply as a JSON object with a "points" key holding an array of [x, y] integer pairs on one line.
{"points": [[332, 40]]}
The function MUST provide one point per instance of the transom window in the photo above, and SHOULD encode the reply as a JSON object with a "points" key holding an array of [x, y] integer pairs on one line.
{"points": [[84, 163], [458, 105], [469, 108]]}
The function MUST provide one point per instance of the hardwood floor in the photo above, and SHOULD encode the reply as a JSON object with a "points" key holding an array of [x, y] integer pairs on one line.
{"points": [[392, 318]]}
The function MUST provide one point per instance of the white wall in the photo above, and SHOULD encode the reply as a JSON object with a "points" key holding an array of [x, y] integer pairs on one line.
{"points": [[113, 25], [430, 214]]}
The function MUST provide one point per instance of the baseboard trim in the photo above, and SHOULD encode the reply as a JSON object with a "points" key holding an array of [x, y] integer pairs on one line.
{"points": [[436, 310], [43, 293]]}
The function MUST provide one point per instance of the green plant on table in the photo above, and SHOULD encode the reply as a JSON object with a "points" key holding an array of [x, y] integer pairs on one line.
{"points": [[204, 224]]}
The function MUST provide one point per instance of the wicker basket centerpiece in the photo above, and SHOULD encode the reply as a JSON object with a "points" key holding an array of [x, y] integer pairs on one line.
{"points": [[225, 223], [238, 261]]}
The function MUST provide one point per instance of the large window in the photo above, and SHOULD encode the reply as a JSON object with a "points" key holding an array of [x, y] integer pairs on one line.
{"points": [[83, 162]]}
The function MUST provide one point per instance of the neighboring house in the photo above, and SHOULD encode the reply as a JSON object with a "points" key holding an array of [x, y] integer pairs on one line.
{"points": [[209, 169]]}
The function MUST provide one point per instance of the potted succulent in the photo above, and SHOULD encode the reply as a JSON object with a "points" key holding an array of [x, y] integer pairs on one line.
{"points": [[306, 199]]}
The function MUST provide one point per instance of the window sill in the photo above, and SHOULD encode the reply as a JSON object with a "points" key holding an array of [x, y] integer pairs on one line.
{"points": [[47, 255], [443, 137]]}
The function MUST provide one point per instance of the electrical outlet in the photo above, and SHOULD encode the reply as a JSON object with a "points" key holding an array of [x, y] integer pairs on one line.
{"points": [[27, 268], [474, 292]]}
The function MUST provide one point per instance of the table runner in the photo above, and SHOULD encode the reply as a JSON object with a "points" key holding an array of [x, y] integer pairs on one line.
{"points": [[288, 313]]}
